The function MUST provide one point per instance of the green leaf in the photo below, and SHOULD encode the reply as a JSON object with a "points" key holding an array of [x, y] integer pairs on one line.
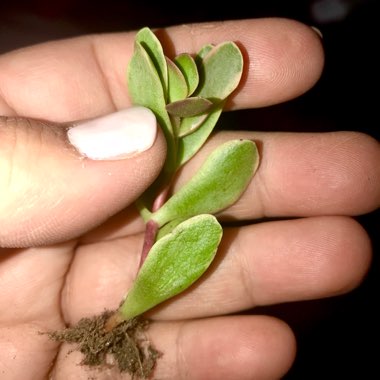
{"points": [[189, 144], [203, 52], [220, 71], [145, 89], [189, 125], [174, 263], [145, 86], [152, 46], [217, 184], [168, 227], [188, 67], [189, 107], [177, 86]]}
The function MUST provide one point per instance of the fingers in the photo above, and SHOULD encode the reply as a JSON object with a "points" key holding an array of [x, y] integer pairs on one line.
{"points": [[49, 192], [304, 174], [31, 281], [89, 290], [25, 354], [86, 75], [235, 348]]}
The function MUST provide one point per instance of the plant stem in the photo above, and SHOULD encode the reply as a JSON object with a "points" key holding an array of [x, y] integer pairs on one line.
{"points": [[161, 198], [152, 227], [113, 321], [151, 230]]}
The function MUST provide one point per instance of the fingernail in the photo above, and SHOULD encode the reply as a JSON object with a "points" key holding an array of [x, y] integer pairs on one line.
{"points": [[115, 136], [318, 31]]}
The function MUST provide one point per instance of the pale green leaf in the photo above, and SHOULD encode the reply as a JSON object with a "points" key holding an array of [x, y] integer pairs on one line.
{"points": [[145, 89], [203, 52], [188, 67], [220, 71], [153, 47], [177, 86], [144, 86], [220, 68], [174, 263], [189, 107], [189, 144], [168, 227], [190, 124], [218, 183]]}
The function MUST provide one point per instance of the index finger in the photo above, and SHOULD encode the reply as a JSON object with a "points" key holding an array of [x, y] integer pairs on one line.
{"points": [[283, 58], [85, 76]]}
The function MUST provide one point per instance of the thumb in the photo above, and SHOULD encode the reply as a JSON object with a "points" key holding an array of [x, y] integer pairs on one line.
{"points": [[59, 181]]}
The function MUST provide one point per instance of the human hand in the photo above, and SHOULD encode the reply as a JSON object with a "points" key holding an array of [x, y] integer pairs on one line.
{"points": [[71, 244]]}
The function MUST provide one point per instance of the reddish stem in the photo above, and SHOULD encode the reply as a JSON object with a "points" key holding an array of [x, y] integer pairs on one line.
{"points": [[151, 230]]}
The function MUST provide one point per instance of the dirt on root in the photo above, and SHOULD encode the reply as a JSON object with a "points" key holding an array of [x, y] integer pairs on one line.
{"points": [[126, 345]]}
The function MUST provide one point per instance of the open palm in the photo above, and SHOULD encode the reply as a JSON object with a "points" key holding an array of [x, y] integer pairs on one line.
{"points": [[71, 240]]}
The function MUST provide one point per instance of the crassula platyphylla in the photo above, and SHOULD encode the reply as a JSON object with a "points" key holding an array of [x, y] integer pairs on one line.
{"points": [[187, 95]]}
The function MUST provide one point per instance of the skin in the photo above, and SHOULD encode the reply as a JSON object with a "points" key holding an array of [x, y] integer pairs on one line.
{"points": [[71, 244]]}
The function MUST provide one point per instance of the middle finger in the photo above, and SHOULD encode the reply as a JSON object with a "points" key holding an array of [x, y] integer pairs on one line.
{"points": [[300, 174], [303, 174]]}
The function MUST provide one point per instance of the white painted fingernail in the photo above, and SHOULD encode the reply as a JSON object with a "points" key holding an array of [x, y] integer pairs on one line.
{"points": [[115, 136]]}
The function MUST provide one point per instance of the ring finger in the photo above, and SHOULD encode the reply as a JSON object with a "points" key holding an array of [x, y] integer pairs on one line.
{"points": [[258, 264]]}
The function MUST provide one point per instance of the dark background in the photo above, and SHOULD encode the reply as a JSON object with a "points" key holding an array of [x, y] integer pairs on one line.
{"points": [[337, 337]]}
